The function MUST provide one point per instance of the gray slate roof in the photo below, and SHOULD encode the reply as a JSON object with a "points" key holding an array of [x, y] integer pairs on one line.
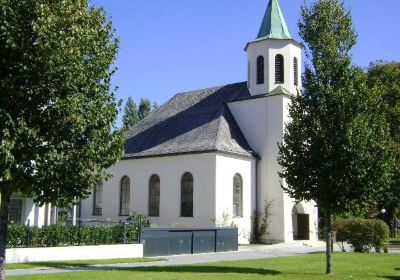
{"points": [[191, 122]]}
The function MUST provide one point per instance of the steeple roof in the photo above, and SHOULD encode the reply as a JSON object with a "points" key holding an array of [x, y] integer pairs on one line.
{"points": [[274, 25]]}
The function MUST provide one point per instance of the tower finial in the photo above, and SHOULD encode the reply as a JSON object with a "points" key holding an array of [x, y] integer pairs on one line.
{"points": [[274, 25]]}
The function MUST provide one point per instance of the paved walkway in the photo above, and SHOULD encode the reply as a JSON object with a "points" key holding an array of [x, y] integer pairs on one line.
{"points": [[245, 253]]}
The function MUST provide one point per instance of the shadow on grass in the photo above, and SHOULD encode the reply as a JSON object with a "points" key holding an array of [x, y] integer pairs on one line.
{"points": [[393, 277], [160, 269], [56, 265], [205, 269]]}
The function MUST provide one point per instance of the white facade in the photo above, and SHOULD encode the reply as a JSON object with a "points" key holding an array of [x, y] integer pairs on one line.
{"points": [[24, 211], [212, 190]]}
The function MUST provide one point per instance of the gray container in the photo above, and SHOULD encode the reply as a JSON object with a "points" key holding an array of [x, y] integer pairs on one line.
{"points": [[164, 242]]}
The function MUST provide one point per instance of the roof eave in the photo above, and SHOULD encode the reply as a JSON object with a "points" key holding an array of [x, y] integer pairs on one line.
{"points": [[297, 43], [251, 154]]}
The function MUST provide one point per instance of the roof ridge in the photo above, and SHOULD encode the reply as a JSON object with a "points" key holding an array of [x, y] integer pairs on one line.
{"points": [[207, 88]]}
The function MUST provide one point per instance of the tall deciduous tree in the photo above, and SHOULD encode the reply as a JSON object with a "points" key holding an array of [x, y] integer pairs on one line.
{"points": [[57, 109], [131, 116], [385, 79], [144, 108], [335, 149]]}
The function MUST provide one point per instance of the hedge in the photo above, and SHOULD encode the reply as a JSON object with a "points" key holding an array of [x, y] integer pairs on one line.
{"points": [[63, 235], [362, 234]]}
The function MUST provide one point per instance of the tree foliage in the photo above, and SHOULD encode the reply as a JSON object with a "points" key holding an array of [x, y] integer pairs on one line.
{"points": [[144, 108], [57, 108], [155, 106], [385, 79], [131, 116], [335, 149]]}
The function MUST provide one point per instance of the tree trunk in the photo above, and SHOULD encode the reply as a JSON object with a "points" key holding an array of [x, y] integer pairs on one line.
{"points": [[4, 209], [328, 230]]}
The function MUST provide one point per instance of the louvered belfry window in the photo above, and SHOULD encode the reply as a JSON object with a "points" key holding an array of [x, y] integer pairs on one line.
{"points": [[154, 196], [279, 69], [295, 72], [260, 70]]}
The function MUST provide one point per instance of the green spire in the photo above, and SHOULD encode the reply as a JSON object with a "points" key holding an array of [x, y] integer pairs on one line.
{"points": [[274, 25]]}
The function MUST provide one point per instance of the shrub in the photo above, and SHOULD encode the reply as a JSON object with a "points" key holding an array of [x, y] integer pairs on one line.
{"points": [[363, 235], [63, 235], [135, 216], [340, 227]]}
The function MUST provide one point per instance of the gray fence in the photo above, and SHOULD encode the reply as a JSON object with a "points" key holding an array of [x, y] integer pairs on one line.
{"points": [[164, 242]]}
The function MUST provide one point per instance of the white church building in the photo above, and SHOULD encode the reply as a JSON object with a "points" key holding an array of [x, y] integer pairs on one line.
{"points": [[208, 157]]}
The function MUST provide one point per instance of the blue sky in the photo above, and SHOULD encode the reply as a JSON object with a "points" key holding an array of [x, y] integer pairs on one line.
{"points": [[173, 46]]}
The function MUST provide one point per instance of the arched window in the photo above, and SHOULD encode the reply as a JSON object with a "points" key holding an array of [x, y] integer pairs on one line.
{"points": [[187, 195], [124, 199], [260, 70], [154, 196], [98, 200], [295, 72], [279, 69], [237, 196]]}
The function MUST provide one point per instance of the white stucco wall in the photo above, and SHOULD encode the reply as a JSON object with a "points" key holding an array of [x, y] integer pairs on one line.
{"points": [[262, 121], [212, 195], [170, 170], [227, 167], [26, 255]]}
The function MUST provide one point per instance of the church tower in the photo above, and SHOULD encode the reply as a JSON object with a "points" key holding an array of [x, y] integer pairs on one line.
{"points": [[274, 58], [274, 76]]}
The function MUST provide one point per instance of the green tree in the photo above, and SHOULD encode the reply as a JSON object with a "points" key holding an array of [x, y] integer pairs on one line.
{"points": [[385, 78], [335, 149], [155, 106], [130, 117], [144, 108], [57, 108]]}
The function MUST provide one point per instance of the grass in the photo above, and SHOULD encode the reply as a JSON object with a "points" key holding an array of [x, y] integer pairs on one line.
{"points": [[58, 264], [310, 267]]}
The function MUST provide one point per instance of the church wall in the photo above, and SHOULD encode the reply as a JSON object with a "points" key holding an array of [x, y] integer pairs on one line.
{"points": [[270, 114], [226, 168], [170, 170], [273, 191]]}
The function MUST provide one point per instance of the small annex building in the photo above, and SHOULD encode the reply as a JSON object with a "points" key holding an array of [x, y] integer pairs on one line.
{"points": [[208, 157]]}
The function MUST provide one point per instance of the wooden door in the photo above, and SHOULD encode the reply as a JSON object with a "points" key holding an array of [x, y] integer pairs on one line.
{"points": [[303, 230]]}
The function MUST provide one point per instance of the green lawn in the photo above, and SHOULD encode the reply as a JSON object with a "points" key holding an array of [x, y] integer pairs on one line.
{"points": [[76, 263], [346, 266]]}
